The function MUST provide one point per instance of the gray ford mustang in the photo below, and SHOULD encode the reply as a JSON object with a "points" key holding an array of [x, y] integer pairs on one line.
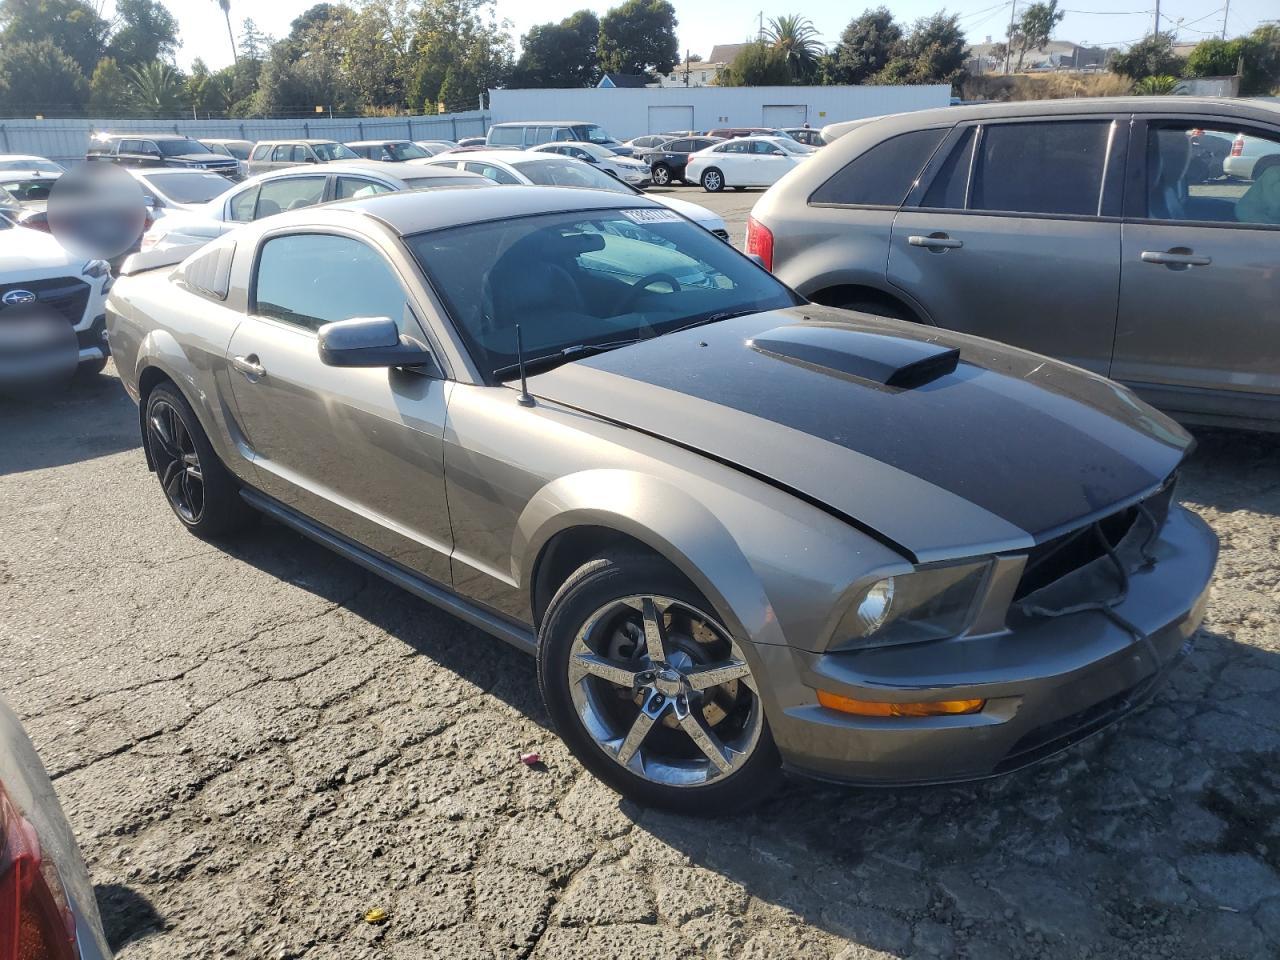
{"points": [[740, 532]]}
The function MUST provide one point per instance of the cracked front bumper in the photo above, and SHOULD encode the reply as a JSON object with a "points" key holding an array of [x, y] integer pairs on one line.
{"points": [[1047, 685]]}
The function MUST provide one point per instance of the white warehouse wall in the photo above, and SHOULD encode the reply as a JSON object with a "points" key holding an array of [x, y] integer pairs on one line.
{"points": [[633, 112]]}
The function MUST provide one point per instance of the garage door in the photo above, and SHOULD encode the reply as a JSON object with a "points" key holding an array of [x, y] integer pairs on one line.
{"points": [[784, 115], [668, 119]]}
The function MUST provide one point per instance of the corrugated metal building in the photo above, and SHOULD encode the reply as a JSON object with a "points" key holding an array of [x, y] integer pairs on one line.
{"points": [[632, 113], [67, 140]]}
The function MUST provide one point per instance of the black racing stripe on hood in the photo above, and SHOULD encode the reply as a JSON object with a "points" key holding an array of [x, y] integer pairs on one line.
{"points": [[1033, 442]]}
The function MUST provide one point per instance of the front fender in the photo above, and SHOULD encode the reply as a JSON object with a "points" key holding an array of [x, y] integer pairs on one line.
{"points": [[665, 518]]}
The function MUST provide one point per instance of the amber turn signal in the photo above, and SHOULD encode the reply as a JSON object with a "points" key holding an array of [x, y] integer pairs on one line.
{"points": [[878, 708]]}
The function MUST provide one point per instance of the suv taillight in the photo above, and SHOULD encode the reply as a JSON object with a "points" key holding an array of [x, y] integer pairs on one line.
{"points": [[35, 921], [760, 241], [1237, 145]]}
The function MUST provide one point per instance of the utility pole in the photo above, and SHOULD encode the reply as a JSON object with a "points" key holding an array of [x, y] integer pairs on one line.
{"points": [[1226, 9], [1156, 28], [686, 66], [1008, 42], [760, 35]]}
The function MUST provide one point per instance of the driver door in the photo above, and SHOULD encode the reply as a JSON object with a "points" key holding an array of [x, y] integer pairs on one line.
{"points": [[358, 450]]}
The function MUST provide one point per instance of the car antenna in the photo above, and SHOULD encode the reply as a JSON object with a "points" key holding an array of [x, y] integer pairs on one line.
{"points": [[524, 399]]}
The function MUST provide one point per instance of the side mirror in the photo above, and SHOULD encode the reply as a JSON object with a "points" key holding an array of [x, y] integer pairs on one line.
{"points": [[371, 342]]}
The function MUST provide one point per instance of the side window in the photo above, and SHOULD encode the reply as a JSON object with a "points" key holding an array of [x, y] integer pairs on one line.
{"points": [[734, 146], [352, 187], [506, 136], [542, 134], [680, 146], [242, 205], [302, 153], [288, 193], [209, 272], [950, 186], [883, 175], [282, 154], [147, 147], [313, 279], [1219, 175], [561, 133], [766, 149], [493, 173], [1050, 167], [260, 151]]}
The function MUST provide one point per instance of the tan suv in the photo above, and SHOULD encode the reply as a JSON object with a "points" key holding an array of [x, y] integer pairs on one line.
{"points": [[1109, 233], [278, 154]]}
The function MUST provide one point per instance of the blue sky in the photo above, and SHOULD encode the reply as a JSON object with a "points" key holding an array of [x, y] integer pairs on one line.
{"points": [[704, 23]]}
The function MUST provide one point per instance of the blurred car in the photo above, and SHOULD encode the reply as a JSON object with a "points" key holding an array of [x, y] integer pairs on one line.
{"points": [[1092, 231], [270, 193], [553, 170], [278, 154], [16, 161], [388, 151], [806, 135], [158, 150], [237, 150], [745, 162], [168, 191], [667, 161], [533, 133], [1249, 157], [624, 168], [37, 274], [47, 906]]}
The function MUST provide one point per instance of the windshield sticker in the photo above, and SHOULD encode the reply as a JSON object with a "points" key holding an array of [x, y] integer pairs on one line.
{"points": [[651, 216]]}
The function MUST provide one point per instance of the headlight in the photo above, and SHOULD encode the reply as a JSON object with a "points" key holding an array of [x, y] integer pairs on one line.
{"points": [[929, 604], [95, 269]]}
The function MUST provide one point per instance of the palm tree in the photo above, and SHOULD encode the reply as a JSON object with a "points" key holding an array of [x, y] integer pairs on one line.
{"points": [[226, 12], [158, 90], [797, 38]]}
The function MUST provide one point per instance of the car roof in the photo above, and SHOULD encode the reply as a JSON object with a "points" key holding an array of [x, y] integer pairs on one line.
{"points": [[580, 144], [363, 167], [223, 140], [34, 174], [142, 136], [413, 212], [311, 140], [542, 123], [375, 143]]}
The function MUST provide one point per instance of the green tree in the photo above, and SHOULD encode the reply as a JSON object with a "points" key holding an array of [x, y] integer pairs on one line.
{"points": [[460, 35], [866, 45], [932, 52], [145, 31], [758, 65], [225, 7], [796, 38], [294, 88], [38, 78], [1155, 86], [158, 90], [1034, 28], [564, 54], [72, 26], [109, 91], [1256, 56], [324, 29], [377, 54], [639, 37], [1152, 56]]}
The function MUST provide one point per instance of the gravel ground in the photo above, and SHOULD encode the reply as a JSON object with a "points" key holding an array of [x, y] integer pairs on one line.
{"points": [[260, 742]]}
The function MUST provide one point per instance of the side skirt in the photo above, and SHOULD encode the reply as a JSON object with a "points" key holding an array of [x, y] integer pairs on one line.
{"points": [[514, 634]]}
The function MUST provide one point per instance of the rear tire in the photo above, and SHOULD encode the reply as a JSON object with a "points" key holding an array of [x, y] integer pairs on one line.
{"points": [[712, 180], [600, 615], [201, 491], [878, 308], [661, 175]]}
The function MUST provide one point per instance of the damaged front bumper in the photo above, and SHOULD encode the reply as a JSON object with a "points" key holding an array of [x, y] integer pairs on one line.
{"points": [[1048, 681]]}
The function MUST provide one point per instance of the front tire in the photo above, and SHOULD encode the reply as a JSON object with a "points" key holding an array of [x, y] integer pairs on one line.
{"points": [[650, 691], [712, 180], [201, 491], [661, 175]]}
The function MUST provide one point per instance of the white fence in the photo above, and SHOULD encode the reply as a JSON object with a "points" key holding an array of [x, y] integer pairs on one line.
{"points": [[627, 113], [67, 140]]}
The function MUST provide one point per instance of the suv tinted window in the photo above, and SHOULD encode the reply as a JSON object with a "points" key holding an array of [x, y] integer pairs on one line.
{"points": [[1052, 167], [313, 279], [950, 185], [884, 174], [507, 136]]}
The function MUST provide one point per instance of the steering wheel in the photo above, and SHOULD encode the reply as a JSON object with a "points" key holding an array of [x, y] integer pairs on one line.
{"points": [[631, 296]]}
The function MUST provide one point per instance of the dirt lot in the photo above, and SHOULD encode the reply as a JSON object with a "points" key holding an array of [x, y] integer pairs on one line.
{"points": [[260, 742]]}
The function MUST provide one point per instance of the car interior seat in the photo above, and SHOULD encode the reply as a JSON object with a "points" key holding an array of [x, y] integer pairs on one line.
{"points": [[1168, 156], [1261, 202]]}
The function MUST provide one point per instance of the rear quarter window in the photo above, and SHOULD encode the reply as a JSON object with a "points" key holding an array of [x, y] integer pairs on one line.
{"points": [[208, 273], [883, 175]]}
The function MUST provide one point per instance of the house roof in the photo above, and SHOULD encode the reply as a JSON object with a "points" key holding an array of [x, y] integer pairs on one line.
{"points": [[623, 80], [726, 53]]}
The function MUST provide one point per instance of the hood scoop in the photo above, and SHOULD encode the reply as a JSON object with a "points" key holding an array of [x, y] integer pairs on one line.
{"points": [[880, 358]]}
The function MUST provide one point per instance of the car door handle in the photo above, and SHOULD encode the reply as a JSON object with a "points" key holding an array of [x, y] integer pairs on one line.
{"points": [[936, 242], [249, 366], [1175, 258]]}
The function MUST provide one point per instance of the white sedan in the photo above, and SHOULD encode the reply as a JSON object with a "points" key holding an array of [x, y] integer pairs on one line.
{"points": [[745, 162], [624, 168], [291, 189], [22, 161], [539, 168]]}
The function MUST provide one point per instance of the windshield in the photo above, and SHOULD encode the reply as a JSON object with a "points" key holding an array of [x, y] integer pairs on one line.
{"points": [[31, 163], [592, 133], [239, 151], [405, 151], [583, 278], [180, 148], [333, 151], [571, 173], [188, 188], [28, 190]]}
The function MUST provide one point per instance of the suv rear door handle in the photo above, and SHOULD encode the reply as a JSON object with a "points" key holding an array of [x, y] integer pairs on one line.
{"points": [[1175, 258], [935, 241], [249, 366]]}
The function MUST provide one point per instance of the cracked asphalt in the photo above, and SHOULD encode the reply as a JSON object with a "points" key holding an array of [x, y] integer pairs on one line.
{"points": [[258, 742]]}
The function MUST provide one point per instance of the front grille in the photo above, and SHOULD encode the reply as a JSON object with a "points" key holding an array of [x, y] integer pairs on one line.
{"points": [[64, 295]]}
